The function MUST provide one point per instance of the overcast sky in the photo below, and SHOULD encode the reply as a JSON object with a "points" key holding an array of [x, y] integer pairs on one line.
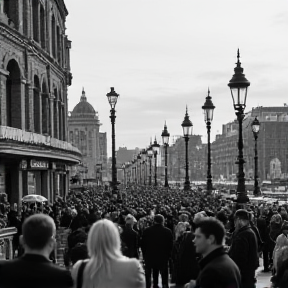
{"points": [[161, 55]]}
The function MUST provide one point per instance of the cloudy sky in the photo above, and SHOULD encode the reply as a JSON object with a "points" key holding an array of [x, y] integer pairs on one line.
{"points": [[161, 55]]}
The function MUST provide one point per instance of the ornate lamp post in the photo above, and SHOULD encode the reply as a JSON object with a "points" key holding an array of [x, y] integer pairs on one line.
{"points": [[124, 173], [144, 155], [150, 154], [208, 108], [139, 174], [165, 138], [187, 131], [112, 98], [239, 86], [156, 148], [255, 125]]}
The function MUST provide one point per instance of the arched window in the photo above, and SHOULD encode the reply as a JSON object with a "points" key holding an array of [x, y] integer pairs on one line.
{"points": [[42, 27], [13, 95], [53, 28], [36, 105], [35, 4]]}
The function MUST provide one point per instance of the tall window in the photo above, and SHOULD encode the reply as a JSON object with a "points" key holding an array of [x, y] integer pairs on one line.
{"points": [[35, 20], [42, 27], [53, 27], [36, 102]]}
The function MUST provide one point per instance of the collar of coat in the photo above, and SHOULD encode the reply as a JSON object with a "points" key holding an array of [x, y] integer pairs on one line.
{"points": [[211, 256], [246, 227]]}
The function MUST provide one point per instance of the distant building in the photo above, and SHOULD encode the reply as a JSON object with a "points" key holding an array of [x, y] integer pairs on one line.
{"points": [[271, 144], [83, 131], [35, 155]]}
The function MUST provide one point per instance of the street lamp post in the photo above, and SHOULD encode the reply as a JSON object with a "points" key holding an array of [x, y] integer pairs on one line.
{"points": [[112, 98], [255, 125], [140, 176], [187, 131], [208, 108], [239, 86], [124, 173], [150, 154], [144, 155], [165, 138], [156, 148]]}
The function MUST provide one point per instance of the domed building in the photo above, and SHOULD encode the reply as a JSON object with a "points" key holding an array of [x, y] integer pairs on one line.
{"points": [[35, 154], [83, 131]]}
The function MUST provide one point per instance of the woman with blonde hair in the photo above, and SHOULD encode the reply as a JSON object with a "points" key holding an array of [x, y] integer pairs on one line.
{"points": [[107, 267]]}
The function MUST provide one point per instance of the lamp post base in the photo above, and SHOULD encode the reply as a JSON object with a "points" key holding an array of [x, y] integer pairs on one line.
{"points": [[242, 197], [187, 186]]}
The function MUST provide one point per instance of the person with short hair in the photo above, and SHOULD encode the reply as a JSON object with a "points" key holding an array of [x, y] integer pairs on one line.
{"points": [[244, 248], [34, 269], [107, 267], [156, 245], [217, 269]]}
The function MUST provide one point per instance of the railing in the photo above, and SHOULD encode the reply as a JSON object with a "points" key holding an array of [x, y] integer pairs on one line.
{"points": [[6, 246], [19, 135]]}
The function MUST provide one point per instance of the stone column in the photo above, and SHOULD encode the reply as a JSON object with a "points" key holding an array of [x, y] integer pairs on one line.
{"points": [[23, 92], [45, 184], [20, 16]]}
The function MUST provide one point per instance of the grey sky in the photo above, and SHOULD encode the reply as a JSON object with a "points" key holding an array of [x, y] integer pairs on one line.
{"points": [[161, 55]]}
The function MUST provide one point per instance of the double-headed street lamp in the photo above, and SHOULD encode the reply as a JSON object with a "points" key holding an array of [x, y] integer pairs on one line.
{"points": [[187, 131], [239, 86], [155, 148], [150, 154], [208, 108], [144, 155], [255, 125], [139, 173], [165, 138], [112, 98]]}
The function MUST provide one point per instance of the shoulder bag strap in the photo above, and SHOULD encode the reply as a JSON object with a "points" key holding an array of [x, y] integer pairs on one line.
{"points": [[80, 274]]}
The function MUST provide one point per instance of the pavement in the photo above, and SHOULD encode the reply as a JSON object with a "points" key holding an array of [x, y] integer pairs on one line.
{"points": [[263, 279]]}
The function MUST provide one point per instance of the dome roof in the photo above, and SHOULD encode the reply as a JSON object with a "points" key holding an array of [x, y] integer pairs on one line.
{"points": [[83, 108]]}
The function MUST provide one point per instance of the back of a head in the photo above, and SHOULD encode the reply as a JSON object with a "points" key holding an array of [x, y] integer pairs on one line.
{"points": [[104, 239], [242, 214], [37, 230], [159, 219], [212, 226]]}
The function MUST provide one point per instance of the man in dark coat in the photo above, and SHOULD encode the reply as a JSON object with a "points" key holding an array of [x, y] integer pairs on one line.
{"points": [[156, 245], [34, 269], [217, 269], [244, 249], [130, 239]]}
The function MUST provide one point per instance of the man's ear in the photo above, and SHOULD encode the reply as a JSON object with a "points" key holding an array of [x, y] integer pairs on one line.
{"points": [[211, 239]]}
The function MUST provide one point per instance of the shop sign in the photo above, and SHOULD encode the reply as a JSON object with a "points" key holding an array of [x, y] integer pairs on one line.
{"points": [[37, 164]]}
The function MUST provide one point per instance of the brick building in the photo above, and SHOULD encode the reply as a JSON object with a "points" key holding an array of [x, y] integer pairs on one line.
{"points": [[271, 145], [34, 74], [83, 129]]}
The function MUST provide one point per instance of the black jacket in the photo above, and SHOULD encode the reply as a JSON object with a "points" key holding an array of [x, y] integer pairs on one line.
{"points": [[156, 244], [218, 270], [130, 242], [244, 252], [33, 271], [184, 260]]}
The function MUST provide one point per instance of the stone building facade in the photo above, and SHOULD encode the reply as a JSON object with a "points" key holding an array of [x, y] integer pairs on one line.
{"points": [[83, 129], [271, 145], [34, 75]]}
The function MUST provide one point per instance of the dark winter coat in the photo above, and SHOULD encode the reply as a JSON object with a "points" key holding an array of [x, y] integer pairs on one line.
{"points": [[156, 245], [130, 242], [218, 270], [184, 260], [244, 252]]}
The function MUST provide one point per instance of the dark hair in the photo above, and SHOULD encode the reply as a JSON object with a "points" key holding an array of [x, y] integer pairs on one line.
{"points": [[37, 230], [159, 219], [242, 214], [212, 226]]}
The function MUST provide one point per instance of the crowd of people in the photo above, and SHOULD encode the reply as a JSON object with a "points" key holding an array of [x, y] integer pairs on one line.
{"points": [[186, 236]]}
